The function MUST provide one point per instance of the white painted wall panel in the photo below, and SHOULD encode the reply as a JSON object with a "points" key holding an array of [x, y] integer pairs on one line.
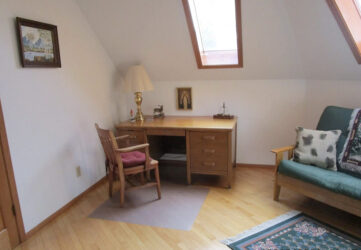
{"points": [[50, 113]]}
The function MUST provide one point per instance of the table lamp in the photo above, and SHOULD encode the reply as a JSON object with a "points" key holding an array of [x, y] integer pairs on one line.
{"points": [[137, 81]]}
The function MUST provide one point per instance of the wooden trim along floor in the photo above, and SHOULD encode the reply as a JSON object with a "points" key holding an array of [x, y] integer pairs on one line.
{"points": [[247, 165], [64, 208], [225, 213]]}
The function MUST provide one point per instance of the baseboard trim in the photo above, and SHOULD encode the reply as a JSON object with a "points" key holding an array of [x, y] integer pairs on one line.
{"points": [[64, 208], [247, 165]]}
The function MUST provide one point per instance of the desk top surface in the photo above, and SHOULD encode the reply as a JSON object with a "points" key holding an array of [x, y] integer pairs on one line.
{"points": [[182, 122]]}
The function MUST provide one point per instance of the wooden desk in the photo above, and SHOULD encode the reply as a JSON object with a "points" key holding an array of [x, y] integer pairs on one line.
{"points": [[210, 143]]}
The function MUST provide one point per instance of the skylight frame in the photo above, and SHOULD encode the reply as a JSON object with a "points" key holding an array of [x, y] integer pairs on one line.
{"points": [[195, 43], [348, 17], [358, 6]]}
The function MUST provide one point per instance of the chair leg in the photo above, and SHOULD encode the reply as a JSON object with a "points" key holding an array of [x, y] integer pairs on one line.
{"points": [[148, 175], [110, 180], [142, 180], [122, 187], [276, 191], [106, 165], [158, 182]]}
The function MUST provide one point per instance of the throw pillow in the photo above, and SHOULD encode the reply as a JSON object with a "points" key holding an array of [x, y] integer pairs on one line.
{"points": [[316, 147]]}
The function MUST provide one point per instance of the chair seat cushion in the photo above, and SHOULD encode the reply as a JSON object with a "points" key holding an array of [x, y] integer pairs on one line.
{"points": [[337, 182], [134, 158]]}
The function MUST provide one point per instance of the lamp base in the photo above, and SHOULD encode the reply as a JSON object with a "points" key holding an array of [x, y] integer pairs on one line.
{"points": [[139, 117], [138, 100]]}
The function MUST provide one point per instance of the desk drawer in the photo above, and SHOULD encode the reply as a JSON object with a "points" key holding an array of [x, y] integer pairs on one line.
{"points": [[209, 151], [204, 139], [210, 166], [135, 137]]}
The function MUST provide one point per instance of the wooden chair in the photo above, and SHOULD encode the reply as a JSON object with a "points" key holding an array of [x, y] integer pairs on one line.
{"points": [[121, 165]]}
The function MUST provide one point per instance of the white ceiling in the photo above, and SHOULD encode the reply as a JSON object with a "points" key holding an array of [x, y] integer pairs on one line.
{"points": [[282, 39]]}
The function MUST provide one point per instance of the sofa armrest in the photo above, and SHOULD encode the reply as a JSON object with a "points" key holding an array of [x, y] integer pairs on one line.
{"points": [[279, 154], [281, 150]]}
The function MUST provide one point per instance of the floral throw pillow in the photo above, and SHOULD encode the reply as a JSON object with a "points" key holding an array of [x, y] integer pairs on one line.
{"points": [[316, 147]]}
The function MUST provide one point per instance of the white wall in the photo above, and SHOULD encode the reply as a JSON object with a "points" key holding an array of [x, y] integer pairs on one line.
{"points": [[320, 94], [267, 110], [50, 113]]}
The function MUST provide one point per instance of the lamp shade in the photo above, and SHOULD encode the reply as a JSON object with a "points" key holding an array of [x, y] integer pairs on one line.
{"points": [[137, 80]]}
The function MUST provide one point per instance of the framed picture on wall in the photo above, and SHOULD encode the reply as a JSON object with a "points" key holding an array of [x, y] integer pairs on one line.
{"points": [[38, 44], [184, 99]]}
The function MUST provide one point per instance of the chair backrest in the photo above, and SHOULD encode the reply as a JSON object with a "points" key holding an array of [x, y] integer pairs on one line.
{"points": [[109, 143], [334, 118]]}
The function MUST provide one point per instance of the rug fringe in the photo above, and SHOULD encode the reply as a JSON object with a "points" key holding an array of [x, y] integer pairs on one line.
{"points": [[261, 227]]}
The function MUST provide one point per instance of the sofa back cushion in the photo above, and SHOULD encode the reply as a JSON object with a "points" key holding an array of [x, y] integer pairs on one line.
{"points": [[336, 118]]}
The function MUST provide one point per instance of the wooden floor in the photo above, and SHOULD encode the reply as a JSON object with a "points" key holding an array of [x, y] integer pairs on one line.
{"points": [[225, 213]]}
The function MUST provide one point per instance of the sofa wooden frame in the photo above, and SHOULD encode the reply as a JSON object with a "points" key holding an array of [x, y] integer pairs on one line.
{"points": [[339, 201]]}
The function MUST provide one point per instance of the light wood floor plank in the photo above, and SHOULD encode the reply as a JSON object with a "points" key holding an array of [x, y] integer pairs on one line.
{"points": [[225, 212]]}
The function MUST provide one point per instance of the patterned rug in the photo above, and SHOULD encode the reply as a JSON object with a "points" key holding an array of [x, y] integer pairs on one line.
{"points": [[293, 230]]}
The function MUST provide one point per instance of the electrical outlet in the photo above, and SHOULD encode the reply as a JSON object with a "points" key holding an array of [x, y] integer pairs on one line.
{"points": [[78, 171]]}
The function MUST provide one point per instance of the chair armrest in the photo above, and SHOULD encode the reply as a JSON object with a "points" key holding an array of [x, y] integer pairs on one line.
{"points": [[279, 155], [122, 137], [281, 150], [132, 148]]}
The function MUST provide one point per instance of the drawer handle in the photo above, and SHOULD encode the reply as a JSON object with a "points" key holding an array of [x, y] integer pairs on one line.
{"points": [[209, 151], [209, 164], [209, 137], [132, 137]]}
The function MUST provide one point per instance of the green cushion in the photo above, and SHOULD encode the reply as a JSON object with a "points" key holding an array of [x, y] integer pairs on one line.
{"points": [[334, 118], [337, 182]]}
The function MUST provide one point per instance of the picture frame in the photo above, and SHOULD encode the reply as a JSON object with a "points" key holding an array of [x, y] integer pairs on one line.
{"points": [[184, 98], [38, 44]]}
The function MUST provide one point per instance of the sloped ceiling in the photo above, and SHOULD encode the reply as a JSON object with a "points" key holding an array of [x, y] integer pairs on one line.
{"points": [[324, 52], [282, 39]]}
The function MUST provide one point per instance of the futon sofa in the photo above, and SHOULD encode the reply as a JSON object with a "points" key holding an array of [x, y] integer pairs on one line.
{"points": [[335, 188]]}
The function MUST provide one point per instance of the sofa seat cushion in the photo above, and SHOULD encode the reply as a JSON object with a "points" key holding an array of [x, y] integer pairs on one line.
{"points": [[337, 182]]}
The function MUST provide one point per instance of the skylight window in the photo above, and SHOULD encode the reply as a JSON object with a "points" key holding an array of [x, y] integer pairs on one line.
{"points": [[358, 6], [348, 16], [215, 29]]}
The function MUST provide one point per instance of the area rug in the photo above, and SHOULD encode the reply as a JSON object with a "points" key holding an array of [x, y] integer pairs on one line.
{"points": [[178, 208], [293, 230]]}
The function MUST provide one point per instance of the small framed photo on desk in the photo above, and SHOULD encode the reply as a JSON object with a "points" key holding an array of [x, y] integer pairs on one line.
{"points": [[184, 99]]}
